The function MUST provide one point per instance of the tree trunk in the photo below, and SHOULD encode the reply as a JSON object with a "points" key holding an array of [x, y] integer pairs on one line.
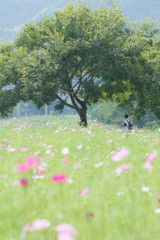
{"points": [[83, 116], [18, 110], [46, 109], [82, 112]]}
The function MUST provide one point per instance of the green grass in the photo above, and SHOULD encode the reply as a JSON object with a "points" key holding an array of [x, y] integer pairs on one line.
{"points": [[122, 211]]}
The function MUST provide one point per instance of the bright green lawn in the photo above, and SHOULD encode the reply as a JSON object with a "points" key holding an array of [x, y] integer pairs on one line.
{"points": [[121, 209]]}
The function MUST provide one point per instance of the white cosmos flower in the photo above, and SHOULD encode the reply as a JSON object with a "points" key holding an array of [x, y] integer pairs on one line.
{"points": [[157, 210], [145, 189], [65, 151]]}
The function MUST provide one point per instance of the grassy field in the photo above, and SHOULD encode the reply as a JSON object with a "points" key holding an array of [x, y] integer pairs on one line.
{"points": [[99, 197]]}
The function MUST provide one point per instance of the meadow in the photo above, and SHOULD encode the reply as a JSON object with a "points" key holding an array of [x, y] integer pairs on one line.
{"points": [[65, 182]]}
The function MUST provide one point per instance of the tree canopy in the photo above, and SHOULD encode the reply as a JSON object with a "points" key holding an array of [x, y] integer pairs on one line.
{"points": [[77, 57]]}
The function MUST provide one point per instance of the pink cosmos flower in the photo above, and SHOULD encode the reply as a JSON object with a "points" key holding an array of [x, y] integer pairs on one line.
{"points": [[22, 167], [10, 149], [13, 130], [98, 165], [66, 232], [0, 157], [84, 192], [65, 160], [37, 153], [69, 180], [64, 236], [27, 228], [59, 178], [122, 168], [90, 215], [48, 151], [152, 144], [41, 171], [77, 165], [16, 183], [126, 166], [148, 165], [118, 171], [24, 182], [79, 146], [36, 140], [109, 140], [30, 163], [119, 156], [38, 224], [23, 149], [50, 146], [4, 141], [151, 157]]}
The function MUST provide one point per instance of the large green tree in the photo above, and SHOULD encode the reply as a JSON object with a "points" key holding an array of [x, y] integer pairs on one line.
{"points": [[143, 86], [75, 58], [149, 96]]}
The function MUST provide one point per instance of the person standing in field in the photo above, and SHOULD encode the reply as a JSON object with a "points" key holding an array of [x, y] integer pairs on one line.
{"points": [[127, 123]]}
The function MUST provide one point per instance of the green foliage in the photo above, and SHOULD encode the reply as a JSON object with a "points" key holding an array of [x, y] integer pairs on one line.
{"points": [[111, 113], [108, 113], [77, 56], [145, 89]]}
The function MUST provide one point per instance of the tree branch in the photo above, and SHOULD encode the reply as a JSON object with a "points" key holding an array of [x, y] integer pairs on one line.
{"points": [[80, 81], [70, 79], [64, 102], [73, 74], [73, 100], [82, 103], [64, 89]]}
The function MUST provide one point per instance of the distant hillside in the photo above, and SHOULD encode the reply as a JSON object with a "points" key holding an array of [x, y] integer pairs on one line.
{"points": [[14, 13]]}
